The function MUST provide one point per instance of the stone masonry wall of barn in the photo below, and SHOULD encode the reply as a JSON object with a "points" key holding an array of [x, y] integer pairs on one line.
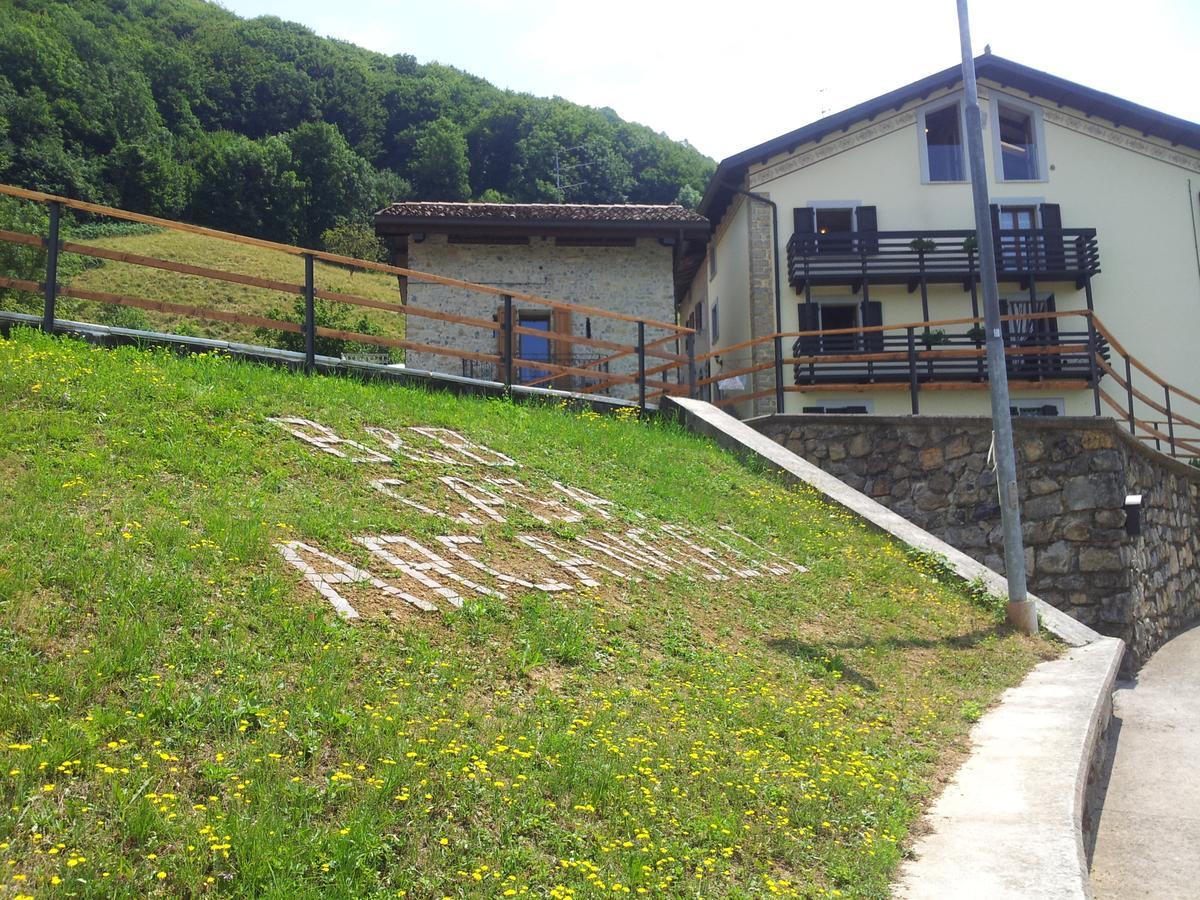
{"points": [[635, 281], [1074, 475]]}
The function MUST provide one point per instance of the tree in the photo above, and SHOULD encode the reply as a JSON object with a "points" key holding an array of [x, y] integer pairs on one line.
{"points": [[688, 197], [440, 169], [246, 186], [356, 239], [149, 178], [336, 181]]}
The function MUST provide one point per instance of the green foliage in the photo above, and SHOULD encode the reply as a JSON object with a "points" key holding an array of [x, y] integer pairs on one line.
{"points": [[440, 169], [178, 700], [356, 239], [326, 314], [261, 126], [17, 260]]}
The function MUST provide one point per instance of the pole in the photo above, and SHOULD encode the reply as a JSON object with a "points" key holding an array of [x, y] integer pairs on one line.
{"points": [[641, 358], [52, 243], [507, 361], [310, 316], [1021, 612]]}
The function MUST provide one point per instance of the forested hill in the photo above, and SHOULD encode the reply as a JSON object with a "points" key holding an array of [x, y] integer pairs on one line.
{"points": [[180, 108]]}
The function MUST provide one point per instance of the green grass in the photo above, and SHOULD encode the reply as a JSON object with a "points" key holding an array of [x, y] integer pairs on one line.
{"points": [[212, 253], [180, 715]]}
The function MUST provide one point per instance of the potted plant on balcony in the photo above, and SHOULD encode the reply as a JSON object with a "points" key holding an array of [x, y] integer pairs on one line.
{"points": [[919, 244], [977, 333], [936, 336], [970, 244]]}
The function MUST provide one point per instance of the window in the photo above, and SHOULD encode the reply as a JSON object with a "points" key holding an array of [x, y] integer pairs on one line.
{"points": [[1037, 408], [833, 229], [716, 321], [834, 407], [1017, 141], [1017, 250], [943, 157], [837, 316]]}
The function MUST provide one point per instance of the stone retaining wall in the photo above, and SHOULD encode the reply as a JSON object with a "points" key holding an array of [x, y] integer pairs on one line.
{"points": [[1074, 474]]}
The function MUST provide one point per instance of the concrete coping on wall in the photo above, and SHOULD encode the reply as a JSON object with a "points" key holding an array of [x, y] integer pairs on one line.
{"points": [[1010, 823]]}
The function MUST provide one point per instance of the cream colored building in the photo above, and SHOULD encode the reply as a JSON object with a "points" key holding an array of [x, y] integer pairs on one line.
{"points": [[1096, 201]]}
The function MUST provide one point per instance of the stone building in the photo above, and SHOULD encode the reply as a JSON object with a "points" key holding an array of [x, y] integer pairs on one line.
{"points": [[625, 259]]}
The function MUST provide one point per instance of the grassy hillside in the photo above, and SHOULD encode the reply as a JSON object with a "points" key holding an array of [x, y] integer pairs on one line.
{"points": [[183, 715], [213, 253]]}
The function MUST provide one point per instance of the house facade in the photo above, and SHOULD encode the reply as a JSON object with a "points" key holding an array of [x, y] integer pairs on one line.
{"points": [[865, 219], [622, 258]]}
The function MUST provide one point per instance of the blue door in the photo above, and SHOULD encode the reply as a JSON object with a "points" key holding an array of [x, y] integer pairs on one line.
{"points": [[534, 347]]}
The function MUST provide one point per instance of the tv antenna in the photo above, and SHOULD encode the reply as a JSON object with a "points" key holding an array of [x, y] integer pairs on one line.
{"points": [[562, 171]]}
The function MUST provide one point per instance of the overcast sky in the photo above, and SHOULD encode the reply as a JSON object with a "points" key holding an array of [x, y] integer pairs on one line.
{"points": [[728, 76]]}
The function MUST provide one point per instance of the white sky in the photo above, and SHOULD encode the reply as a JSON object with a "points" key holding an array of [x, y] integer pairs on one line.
{"points": [[728, 76]]}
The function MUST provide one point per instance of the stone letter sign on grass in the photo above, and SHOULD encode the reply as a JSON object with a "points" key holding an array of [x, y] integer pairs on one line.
{"points": [[428, 574]]}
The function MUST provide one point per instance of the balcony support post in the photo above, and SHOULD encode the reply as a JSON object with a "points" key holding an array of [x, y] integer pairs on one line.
{"points": [[1170, 421], [914, 387], [1093, 370], [778, 373], [924, 284], [1087, 292]]}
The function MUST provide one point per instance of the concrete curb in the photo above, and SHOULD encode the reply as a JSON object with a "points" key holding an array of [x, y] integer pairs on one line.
{"points": [[1010, 824]]}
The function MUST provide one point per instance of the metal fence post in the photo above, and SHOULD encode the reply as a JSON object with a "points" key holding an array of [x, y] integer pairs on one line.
{"points": [[641, 355], [1129, 394], [507, 356], [310, 316], [690, 343], [1170, 423], [913, 386], [1093, 375], [51, 269], [779, 373]]}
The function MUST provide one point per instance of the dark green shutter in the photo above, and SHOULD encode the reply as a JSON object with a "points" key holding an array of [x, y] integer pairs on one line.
{"points": [[1053, 236], [809, 316], [868, 229], [803, 225], [873, 315]]}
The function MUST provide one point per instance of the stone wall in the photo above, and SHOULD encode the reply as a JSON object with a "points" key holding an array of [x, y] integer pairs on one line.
{"points": [[635, 281], [1074, 475]]}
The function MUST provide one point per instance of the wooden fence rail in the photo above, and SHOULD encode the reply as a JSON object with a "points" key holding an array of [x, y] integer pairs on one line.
{"points": [[502, 331]]}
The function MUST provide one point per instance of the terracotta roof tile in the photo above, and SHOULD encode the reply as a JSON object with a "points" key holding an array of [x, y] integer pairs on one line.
{"points": [[583, 213]]}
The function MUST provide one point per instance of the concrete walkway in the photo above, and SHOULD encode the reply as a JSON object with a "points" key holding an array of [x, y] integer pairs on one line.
{"points": [[1148, 836]]}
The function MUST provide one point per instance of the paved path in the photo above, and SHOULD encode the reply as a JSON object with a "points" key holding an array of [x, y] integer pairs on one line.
{"points": [[1148, 837]]}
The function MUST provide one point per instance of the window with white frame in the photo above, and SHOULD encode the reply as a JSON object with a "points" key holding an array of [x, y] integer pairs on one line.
{"points": [[943, 153], [1017, 141]]}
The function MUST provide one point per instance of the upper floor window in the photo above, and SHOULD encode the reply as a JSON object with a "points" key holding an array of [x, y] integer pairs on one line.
{"points": [[943, 155], [1018, 142]]}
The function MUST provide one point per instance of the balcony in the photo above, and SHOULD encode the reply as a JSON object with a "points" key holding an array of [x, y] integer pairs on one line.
{"points": [[1037, 352], [916, 258]]}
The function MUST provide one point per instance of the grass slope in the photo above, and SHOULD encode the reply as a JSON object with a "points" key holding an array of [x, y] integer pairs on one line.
{"points": [[181, 716], [213, 253]]}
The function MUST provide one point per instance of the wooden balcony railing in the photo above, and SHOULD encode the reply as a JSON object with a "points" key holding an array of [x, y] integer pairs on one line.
{"points": [[914, 258]]}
